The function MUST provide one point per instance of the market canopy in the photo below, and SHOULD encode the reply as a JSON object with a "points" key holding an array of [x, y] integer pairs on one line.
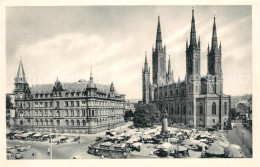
{"points": [[232, 152], [222, 143], [164, 146], [37, 135], [215, 149]]}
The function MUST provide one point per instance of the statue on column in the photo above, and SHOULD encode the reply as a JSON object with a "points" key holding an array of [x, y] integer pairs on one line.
{"points": [[164, 122]]}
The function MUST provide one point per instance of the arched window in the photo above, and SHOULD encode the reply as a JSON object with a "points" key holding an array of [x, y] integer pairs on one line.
{"points": [[78, 123], [214, 109], [225, 108], [72, 122], [84, 123], [21, 113], [201, 109], [58, 113], [67, 123]]}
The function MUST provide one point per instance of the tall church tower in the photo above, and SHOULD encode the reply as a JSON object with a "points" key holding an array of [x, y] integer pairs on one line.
{"points": [[192, 77], [214, 60], [21, 90], [159, 59], [193, 60], [146, 81]]}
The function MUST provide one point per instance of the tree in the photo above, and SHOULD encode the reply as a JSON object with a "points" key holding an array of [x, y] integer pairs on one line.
{"points": [[9, 104], [146, 115], [128, 115]]}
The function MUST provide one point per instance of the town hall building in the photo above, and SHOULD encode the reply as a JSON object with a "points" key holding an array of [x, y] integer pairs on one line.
{"points": [[197, 100], [77, 107]]}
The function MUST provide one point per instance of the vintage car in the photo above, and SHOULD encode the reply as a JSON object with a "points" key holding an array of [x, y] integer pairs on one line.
{"points": [[18, 156], [22, 149], [10, 156]]}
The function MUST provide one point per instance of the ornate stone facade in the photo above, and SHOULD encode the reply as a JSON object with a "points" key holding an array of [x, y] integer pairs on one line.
{"points": [[79, 107], [197, 100]]}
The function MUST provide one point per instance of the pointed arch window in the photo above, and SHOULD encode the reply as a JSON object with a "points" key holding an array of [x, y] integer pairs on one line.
{"points": [[214, 109], [201, 109], [225, 108]]}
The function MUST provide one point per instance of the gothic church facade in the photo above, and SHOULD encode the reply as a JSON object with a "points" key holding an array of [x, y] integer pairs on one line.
{"points": [[197, 100]]}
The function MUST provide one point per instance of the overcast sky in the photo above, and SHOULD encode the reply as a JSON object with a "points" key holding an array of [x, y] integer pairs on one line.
{"points": [[62, 41]]}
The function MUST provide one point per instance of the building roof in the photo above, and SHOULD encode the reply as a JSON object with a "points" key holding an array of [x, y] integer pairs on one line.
{"points": [[71, 86]]}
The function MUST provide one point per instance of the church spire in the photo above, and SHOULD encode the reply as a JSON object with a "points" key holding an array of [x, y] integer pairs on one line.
{"points": [[193, 31], [145, 63], [169, 65], [20, 77], [159, 36], [214, 42]]}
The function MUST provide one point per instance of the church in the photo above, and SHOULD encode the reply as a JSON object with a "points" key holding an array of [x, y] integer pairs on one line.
{"points": [[197, 100]]}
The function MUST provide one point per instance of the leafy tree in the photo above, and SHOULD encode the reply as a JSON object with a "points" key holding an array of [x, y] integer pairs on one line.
{"points": [[9, 104], [146, 115], [129, 113]]}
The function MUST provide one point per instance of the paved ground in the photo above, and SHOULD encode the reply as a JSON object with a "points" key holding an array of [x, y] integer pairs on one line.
{"points": [[63, 150]]}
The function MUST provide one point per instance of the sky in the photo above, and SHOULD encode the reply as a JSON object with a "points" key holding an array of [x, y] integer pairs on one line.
{"points": [[65, 41]]}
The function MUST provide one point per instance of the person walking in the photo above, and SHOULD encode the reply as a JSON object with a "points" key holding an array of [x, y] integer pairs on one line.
{"points": [[33, 155]]}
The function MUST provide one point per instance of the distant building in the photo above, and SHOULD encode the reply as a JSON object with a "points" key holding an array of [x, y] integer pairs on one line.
{"points": [[197, 100], [79, 107], [130, 106]]}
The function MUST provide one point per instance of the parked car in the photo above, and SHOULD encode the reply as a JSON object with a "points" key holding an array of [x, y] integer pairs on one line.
{"points": [[12, 151], [18, 156], [17, 146], [10, 156], [21, 149]]}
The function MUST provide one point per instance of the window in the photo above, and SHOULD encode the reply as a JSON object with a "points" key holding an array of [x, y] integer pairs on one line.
{"points": [[21, 122], [41, 104], [21, 113], [184, 110], [71, 113], [83, 113], [78, 123], [72, 103], [84, 123], [58, 113], [78, 114], [51, 122], [214, 109], [46, 122], [178, 109], [77, 103], [36, 121], [66, 103], [83, 103], [36, 113], [213, 120], [92, 112], [58, 122], [225, 108], [28, 104], [171, 93], [45, 104], [72, 122], [50, 104], [66, 113], [201, 109], [67, 123], [57, 103], [46, 112]]}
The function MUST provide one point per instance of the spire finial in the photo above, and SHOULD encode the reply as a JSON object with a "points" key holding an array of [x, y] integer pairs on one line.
{"points": [[193, 31], [91, 74]]}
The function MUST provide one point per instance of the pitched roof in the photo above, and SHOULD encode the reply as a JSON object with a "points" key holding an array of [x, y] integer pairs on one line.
{"points": [[71, 86]]}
